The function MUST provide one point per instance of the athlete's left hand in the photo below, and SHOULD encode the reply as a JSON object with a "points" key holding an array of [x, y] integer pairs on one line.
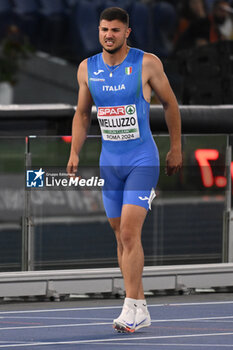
{"points": [[173, 162]]}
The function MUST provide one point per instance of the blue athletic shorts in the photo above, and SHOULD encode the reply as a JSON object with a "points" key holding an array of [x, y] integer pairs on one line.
{"points": [[129, 178]]}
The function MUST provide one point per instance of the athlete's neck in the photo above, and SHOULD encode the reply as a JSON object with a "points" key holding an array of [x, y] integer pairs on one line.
{"points": [[114, 59]]}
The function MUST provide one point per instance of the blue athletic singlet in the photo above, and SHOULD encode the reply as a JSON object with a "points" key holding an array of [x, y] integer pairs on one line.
{"points": [[129, 160]]}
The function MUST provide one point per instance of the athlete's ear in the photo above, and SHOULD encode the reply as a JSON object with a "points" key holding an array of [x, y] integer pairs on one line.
{"points": [[128, 31]]}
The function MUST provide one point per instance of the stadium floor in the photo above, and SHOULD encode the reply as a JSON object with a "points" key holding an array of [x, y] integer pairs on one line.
{"points": [[199, 321]]}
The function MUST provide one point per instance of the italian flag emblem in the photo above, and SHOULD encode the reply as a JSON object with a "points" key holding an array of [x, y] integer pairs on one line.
{"points": [[128, 70]]}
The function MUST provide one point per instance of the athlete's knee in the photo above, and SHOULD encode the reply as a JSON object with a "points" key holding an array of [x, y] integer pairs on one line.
{"points": [[116, 228], [115, 225], [128, 237], [118, 239]]}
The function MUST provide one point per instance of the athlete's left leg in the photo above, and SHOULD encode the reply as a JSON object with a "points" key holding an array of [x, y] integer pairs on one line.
{"points": [[127, 222], [134, 314], [115, 223]]}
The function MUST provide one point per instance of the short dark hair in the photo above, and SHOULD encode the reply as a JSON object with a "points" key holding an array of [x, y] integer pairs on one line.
{"points": [[112, 13]]}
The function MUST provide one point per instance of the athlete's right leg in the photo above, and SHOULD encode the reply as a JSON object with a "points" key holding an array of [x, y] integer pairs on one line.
{"points": [[115, 225]]}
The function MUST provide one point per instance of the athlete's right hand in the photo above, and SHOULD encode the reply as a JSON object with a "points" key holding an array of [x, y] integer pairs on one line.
{"points": [[72, 165]]}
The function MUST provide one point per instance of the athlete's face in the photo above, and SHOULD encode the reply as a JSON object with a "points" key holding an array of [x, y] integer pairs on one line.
{"points": [[113, 35]]}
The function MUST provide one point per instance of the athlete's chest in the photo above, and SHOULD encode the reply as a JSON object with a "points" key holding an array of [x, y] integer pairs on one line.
{"points": [[120, 82]]}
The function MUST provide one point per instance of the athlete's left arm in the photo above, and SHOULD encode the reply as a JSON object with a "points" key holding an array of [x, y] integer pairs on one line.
{"points": [[153, 74]]}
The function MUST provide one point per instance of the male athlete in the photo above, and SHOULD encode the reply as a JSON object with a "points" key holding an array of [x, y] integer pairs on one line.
{"points": [[119, 82]]}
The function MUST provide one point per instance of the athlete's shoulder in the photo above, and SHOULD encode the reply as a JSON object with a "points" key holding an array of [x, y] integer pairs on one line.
{"points": [[135, 50], [152, 64], [150, 59], [94, 58], [83, 66], [82, 71], [135, 56]]}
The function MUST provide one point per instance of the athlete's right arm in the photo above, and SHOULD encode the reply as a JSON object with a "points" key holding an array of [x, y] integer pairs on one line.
{"points": [[82, 118]]}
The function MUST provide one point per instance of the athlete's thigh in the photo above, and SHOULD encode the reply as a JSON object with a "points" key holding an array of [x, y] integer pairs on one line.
{"points": [[112, 201], [132, 219], [112, 191], [140, 186]]}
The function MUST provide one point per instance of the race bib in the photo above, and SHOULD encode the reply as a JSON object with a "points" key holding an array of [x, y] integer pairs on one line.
{"points": [[118, 123]]}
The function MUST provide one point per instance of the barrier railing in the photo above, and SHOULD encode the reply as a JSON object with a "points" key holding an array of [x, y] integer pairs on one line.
{"points": [[189, 223]]}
